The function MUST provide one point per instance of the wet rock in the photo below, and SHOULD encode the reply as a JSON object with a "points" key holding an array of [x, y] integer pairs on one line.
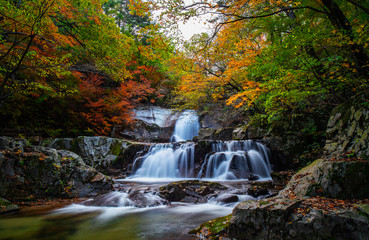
{"points": [[192, 191], [205, 134], [257, 191], [123, 164], [280, 179], [252, 177], [120, 199], [283, 218], [224, 134], [113, 199], [7, 207], [260, 219], [141, 199], [227, 198]]}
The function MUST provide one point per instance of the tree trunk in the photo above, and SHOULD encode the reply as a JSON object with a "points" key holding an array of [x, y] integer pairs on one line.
{"points": [[340, 22]]}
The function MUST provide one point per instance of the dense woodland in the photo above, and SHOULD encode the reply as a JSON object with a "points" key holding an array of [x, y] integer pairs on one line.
{"points": [[77, 67]]}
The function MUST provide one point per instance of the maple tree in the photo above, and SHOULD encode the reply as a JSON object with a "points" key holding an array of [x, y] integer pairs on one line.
{"points": [[52, 52]]}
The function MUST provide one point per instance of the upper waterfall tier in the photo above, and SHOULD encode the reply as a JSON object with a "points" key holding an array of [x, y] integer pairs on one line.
{"points": [[187, 126]]}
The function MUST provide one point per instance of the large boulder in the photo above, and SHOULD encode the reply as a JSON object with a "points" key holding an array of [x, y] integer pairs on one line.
{"points": [[105, 154], [7, 207], [192, 191], [335, 179], [47, 172], [284, 218], [149, 132], [308, 207], [150, 124]]}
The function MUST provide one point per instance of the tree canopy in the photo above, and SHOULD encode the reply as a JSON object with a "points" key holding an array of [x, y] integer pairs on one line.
{"points": [[276, 60], [73, 51]]}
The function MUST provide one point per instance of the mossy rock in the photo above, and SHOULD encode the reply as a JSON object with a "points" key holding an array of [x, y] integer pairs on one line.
{"points": [[213, 229], [363, 209], [7, 207], [333, 179]]}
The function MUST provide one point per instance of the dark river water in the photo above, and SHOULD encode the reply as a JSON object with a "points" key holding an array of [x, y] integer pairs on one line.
{"points": [[78, 221]]}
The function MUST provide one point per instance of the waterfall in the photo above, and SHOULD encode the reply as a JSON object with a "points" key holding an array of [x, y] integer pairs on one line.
{"points": [[186, 127], [168, 160], [171, 160], [229, 160], [237, 160]]}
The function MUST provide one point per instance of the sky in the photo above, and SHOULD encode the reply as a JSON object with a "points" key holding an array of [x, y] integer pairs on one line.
{"points": [[192, 27]]}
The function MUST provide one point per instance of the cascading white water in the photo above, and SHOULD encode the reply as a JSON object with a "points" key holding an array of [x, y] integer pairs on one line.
{"points": [[229, 161], [186, 127], [237, 160], [169, 160], [172, 160]]}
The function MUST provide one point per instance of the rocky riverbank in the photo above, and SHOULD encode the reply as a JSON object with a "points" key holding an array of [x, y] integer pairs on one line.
{"points": [[328, 199]]}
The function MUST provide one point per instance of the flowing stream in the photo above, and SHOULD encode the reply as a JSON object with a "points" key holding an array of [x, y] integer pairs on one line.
{"points": [[135, 210]]}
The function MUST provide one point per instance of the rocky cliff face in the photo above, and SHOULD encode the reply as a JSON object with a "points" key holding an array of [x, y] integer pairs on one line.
{"points": [[108, 155], [151, 124], [339, 179], [284, 218], [46, 172], [325, 200], [348, 131], [63, 167]]}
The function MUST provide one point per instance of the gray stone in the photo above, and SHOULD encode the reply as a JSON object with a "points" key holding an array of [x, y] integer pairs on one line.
{"points": [[334, 179], [348, 130], [47, 172], [239, 133], [277, 219], [205, 134], [224, 134], [7, 207], [101, 153]]}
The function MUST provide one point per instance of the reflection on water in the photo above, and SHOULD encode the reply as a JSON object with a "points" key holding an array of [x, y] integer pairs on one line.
{"points": [[90, 222], [114, 216]]}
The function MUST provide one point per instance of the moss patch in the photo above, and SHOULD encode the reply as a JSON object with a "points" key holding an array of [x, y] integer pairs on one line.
{"points": [[363, 209], [213, 229], [6, 206]]}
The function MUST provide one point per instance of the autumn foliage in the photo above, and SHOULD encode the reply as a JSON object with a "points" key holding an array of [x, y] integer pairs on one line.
{"points": [[278, 60], [73, 58]]}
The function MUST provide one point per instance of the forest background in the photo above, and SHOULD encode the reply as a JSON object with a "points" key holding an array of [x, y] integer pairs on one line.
{"points": [[77, 67]]}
